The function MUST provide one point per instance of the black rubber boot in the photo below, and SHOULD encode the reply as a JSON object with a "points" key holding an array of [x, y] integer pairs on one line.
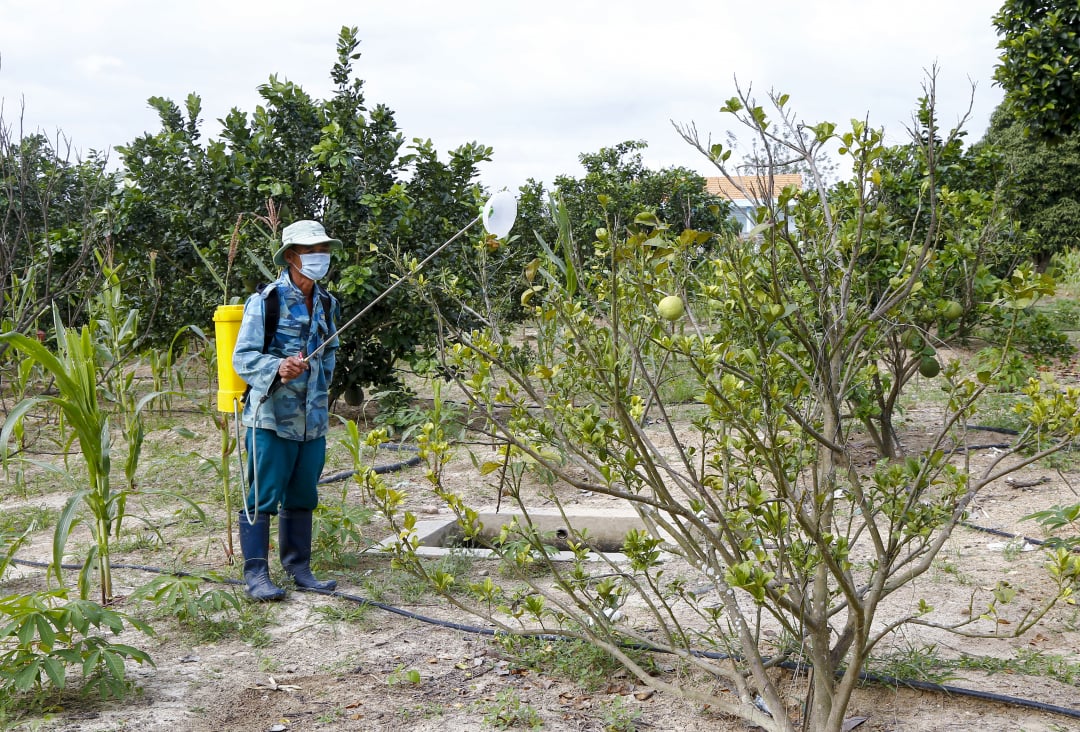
{"points": [[255, 544], [294, 542]]}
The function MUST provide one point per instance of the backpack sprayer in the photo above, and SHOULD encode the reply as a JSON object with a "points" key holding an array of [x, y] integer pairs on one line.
{"points": [[498, 216]]}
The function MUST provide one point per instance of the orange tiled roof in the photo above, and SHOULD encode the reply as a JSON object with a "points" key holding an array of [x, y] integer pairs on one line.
{"points": [[756, 186]]}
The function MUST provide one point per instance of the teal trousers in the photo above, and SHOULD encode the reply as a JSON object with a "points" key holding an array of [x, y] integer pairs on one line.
{"points": [[285, 472]]}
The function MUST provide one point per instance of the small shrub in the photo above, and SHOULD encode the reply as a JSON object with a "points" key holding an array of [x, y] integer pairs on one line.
{"points": [[1038, 335], [619, 716], [183, 597], [508, 711], [338, 529], [578, 661], [1014, 372]]}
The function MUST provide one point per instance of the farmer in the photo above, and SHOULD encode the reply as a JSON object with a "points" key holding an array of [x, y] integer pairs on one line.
{"points": [[286, 436]]}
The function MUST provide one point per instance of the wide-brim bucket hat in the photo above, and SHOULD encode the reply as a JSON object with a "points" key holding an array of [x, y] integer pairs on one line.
{"points": [[303, 234]]}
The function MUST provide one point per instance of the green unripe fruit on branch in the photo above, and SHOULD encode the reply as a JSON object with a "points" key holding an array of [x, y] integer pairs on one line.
{"points": [[953, 310], [911, 339], [929, 367], [354, 395], [671, 307]]}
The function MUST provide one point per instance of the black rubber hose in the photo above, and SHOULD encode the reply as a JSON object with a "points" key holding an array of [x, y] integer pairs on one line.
{"points": [[712, 655], [379, 470], [1007, 535]]}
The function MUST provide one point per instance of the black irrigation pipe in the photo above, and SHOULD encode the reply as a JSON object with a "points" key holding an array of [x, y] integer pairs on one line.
{"points": [[864, 676], [381, 469], [1007, 535]]}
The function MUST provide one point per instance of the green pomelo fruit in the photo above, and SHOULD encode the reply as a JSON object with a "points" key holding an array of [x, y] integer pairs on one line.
{"points": [[929, 367], [671, 307], [354, 395], [911, 340]]}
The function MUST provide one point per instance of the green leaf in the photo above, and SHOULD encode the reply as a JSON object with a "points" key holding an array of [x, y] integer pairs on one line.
{"points": [[69, 517], [28, 675], [647, 218], [732, 105], [490, 467], [54, 669], [14, 417]]}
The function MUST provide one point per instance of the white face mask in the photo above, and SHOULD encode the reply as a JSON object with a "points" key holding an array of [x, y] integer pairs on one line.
{"points": [[314, 266]]}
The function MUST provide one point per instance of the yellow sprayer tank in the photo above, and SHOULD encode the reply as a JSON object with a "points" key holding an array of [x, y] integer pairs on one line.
{"points": [[226, 329]]}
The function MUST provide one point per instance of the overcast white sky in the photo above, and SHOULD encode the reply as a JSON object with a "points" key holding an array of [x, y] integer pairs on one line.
{"points": [[541, 82]]}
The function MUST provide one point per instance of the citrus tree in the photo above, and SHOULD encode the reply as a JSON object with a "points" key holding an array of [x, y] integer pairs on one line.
{"points": [[1039, 64], [768, 539], [341, 160]]}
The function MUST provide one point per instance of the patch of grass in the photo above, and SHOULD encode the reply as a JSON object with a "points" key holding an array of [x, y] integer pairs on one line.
{"points": [[925, 663], [680, 389], [249, 624], [17, 519], [917, 663], [1062, 312], [618, 715], [331, 716], [1013, 550], [949, 567], [344, 612], [996, 409], [456, 563], [395, 585], [1026, 661], [427, 710], [1066, 460], [136, 541], [574, 660], [401, 586]]}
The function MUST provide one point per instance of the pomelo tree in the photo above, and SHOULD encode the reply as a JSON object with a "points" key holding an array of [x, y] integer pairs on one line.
{"points": [[1039, 65], [769, 540], [342, 160]]}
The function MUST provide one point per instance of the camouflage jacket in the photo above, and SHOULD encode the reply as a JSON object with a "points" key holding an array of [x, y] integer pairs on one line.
{"points": [[298, 410]]}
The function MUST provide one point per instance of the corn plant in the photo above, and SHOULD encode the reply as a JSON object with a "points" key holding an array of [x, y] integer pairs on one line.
{"points": [[115, 330], [74, 368], [219, 463]]}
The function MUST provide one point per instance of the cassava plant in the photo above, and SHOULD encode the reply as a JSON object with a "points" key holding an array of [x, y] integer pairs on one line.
{"points": [[44, 634], [768, 537]]}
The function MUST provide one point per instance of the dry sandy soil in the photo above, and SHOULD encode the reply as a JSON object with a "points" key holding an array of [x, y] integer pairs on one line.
{"points": [[318, 674]]}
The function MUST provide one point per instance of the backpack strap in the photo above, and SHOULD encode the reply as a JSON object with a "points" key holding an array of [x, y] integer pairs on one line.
{"points": [[271, 316], [327, 303], [271, 313]]}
